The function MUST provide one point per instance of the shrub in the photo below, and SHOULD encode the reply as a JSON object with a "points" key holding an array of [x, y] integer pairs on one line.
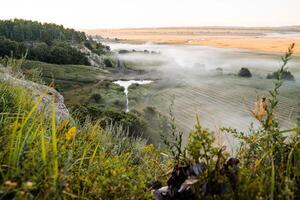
{"points": [[244, 72], [130, 122], [108, 63], [286, 75], [123, 51], [96, 97]]}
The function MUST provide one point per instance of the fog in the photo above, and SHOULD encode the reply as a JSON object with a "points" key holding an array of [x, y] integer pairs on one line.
{"points": [[205, 59], [219, 96]]}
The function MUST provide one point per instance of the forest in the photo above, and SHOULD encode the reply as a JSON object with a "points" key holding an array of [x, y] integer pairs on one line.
{"points": [[46, 42]]}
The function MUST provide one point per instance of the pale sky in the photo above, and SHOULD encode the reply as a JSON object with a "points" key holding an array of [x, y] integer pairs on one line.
{"points": [[88, 14]]}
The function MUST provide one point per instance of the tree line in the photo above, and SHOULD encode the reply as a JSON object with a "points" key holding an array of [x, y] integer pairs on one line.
{"points": [[45, 42], [26, 30]]}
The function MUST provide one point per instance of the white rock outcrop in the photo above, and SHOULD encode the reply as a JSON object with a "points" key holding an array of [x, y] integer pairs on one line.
{"points": [[37, 90]]}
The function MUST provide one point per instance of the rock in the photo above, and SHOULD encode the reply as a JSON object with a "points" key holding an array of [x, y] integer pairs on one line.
{"points": [[37, 90], [244, 72]]}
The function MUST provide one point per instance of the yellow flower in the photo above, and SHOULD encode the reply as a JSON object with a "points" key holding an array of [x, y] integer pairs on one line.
{"points": [[29, 185], [11, 184], [71, 133], [148, 148]]}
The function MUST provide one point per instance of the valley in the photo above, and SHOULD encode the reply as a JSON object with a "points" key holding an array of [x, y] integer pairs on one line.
{"points": [[198, 79]]}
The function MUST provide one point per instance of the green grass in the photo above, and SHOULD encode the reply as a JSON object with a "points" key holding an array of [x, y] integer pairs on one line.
{"points": [[112, 95], [44, 163], [144, 65], [66, 75]]}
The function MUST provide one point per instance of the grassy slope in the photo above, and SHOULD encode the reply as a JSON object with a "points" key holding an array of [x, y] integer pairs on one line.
{"points": [[112, 94], [67, 76]]}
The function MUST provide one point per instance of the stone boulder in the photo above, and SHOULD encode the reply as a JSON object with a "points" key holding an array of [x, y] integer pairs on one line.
{"points": [[36, 91]]}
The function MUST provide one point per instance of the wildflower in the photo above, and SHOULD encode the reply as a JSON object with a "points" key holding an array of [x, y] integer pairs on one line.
{"points": [[149, 148], [63, 125], [260, 109], [71, 133], [11, 184], [28, 185]]}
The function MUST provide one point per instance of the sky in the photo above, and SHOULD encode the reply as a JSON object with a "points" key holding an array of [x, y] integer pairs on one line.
{"points": [[93, 14]]}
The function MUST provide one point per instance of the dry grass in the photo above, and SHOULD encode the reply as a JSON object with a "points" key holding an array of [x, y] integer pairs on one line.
{"points": [[250, 39]]}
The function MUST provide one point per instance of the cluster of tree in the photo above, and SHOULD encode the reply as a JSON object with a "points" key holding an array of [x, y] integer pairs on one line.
{"points": [[286, 75], [45, 42], [7, 47], [58, 52], [26, 30]]}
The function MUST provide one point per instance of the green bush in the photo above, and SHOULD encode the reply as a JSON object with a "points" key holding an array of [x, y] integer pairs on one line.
{"points": [[130, 122], [286, 75], [96, 97], [108, 63], [244, 72]]}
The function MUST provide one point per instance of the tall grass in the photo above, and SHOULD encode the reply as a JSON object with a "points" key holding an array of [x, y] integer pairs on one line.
{"points": [[42, 159]]}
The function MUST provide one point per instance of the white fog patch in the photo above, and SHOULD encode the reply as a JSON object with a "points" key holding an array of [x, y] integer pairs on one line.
{"points": [[201, 59], [126, 84], [203, 78]]}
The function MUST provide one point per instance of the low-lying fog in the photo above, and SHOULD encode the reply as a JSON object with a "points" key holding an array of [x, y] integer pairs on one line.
{"points": [[221, 98], [205, 59]]}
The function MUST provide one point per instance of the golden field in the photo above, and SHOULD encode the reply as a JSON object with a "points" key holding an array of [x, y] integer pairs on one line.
{"points": [[267, 40]]}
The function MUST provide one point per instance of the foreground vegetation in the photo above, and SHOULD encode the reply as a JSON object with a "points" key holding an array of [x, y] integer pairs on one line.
{"points": [[86, 159], [42, 159]]}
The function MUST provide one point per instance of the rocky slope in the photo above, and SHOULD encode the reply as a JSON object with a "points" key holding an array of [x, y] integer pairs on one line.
{"points": [[37, 90]]}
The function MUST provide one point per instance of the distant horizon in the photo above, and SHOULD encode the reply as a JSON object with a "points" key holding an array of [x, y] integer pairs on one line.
{"points": [[192, 27]]}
